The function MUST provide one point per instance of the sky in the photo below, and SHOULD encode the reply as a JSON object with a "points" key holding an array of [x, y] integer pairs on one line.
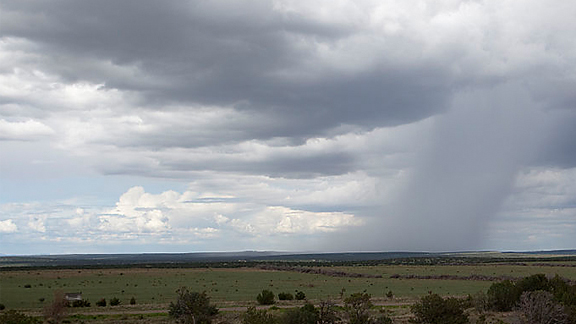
{"points": [[290, 125]]}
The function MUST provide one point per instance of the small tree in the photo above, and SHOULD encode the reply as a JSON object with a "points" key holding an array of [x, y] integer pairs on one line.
{"points": [[266, 297], [192, 307], [114, 301], [255, 316], [81, 303], [327, 312], [357, 307], [101, 302], [56, 311], [503, 296], [539, 307], [433, 309], [300, 295], [285, 296], [132, 301], [560, 287]]}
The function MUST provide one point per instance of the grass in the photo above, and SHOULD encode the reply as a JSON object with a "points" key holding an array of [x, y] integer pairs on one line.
{"points": [[156, 288], [466, 270]]}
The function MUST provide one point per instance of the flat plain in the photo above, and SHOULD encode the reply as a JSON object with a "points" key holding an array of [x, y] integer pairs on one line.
{"points": [[154, 288]]}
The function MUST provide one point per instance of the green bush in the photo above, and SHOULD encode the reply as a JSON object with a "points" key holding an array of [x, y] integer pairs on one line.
{"points": [[101, 302], [503, 296], [306, 314], [300, 295], [2, 307], [285, 296], [256, 316], [81, 303], [558, 286], [266, 297], [132, 301], [357, 307], [192, 307], [533, 283], [433, 309], [114, 301]]}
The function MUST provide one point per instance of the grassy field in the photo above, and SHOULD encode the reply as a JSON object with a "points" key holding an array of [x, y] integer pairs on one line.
{"points": [[33, 289], [467, 270]]}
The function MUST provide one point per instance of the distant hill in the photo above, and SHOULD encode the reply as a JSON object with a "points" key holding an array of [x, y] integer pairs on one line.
{"points": [[175, 259]]}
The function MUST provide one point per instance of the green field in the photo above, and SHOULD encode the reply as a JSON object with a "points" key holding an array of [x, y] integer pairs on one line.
{"points": [[25, 289], [494, 269]]}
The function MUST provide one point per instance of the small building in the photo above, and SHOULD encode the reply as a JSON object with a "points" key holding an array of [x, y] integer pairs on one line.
{"points": [[73, 296]]}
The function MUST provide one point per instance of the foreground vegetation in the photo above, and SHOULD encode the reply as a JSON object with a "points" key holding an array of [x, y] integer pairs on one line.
{"points": [[385, 293], [31, 289]]}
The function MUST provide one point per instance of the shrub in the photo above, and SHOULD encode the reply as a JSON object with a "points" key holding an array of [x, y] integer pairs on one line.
{"points": [[300, 295], [390, 294], [255, 316], [563, 291], [27, 286], [306, 314], [266, 297], [480, 302], [285, 296], [503, 296], [114, 301], [327, 312], [558, 286], [15, 317], [81, 303], [433, 309], [2, 307], [357, 307], [132, 301], [533, 283], [539, 307], [192, 307], [101, 302]]}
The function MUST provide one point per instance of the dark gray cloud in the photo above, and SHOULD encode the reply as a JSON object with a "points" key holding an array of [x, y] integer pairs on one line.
{"points": [[560, 147], [438, 108], [231, 55]]}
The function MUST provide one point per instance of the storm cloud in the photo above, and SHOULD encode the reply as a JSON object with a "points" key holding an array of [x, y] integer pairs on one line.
{"points": [[370, 121]]}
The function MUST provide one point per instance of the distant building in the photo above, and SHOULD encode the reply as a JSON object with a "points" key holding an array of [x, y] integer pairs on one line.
{"points": [[73, 296]]}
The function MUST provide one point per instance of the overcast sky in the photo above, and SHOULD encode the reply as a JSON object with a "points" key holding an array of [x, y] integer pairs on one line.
{"points": [[184, 126]]}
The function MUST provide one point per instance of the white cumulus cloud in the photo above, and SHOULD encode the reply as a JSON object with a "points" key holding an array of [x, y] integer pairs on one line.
{"points": [[8, 226], [23, 130]]}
